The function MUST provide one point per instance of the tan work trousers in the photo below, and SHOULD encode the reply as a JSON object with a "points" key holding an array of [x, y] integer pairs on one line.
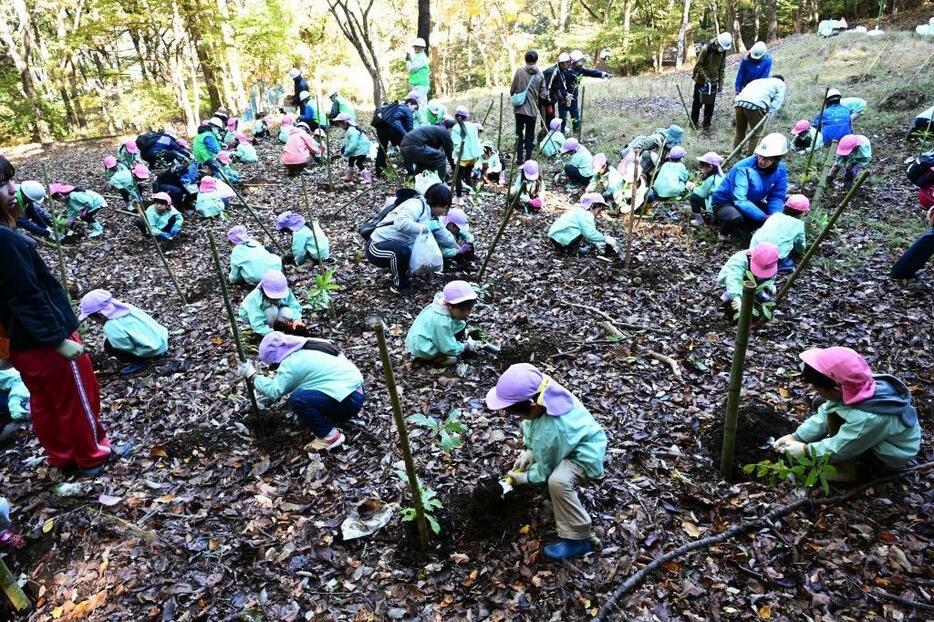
{"points": [[571, 519], [746, 120]]}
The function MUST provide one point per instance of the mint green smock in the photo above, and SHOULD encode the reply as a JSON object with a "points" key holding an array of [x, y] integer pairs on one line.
{"points": [[18, 398], [253, 309], [82, 200], [575, 436], [304, 246], [707, 187], [250, 261], [137, 333], [582, 160], [158, 221], [471, 142], [861, 156], [671, 179], [551, 146], [246, 153], [209, 204], [335, 376], [784, 231], [355, 143], [575, 222], [432, 332]]}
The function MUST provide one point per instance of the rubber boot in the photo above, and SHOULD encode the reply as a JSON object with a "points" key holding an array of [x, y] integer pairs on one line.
{"points": [[367, 177], [350, 174]]}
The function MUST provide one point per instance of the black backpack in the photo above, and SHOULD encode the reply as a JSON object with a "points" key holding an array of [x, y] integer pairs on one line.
{"points": [[371, 225], [147, 140], [919, 172], [384, 115]]}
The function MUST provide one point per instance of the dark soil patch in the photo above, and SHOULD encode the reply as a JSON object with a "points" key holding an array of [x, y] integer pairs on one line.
{"points": [[903, 99], [206, 441], [756, 424], [535, 350], [202, 288]]}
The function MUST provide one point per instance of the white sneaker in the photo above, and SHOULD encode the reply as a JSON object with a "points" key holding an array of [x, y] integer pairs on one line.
{"points": [[333, 440]]}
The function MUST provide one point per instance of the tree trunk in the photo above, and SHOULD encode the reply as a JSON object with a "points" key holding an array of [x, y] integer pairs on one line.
{"points": [[19, 49], [799, 10], [356, 28], [564, 15], [683, 34], [773, 21], [735, 28], [193, 18], [233, 59]]}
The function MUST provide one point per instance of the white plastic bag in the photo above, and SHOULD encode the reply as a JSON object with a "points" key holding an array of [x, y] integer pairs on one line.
{"points": [[426, 255], [425, 180]]}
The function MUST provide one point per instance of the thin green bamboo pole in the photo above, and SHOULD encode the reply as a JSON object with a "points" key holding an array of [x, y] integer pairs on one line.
{"points": [[165, 262], [580, 113], [685, 106], [499, 134], [62, 272], [736, 380], [332, 311], [745, 140], [259, 221], [822, 182], [13, 591], [820, 122]]}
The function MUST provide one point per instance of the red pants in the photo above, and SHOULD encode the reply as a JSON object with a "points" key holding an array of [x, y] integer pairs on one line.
{"points": [[65, 405]]}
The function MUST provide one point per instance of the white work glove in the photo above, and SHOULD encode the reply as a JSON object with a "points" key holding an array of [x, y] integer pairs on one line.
{"points": [[690, 185], [736, 303], [794, 448], [519, 478], [524, 460], [611, 242], [471, 345], [779, 443], [246, 370], [69, 349]]}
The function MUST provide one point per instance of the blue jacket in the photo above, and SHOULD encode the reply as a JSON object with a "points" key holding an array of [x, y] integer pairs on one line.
{"points": [[834, 123], [301, 84], [306, 113], [755, 194], [402, 119], [751, 69]]}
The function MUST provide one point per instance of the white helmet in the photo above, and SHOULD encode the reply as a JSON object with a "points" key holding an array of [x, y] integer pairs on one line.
{"points": [[725, 40], [418, 42], [758, 50], [772, 146], [564, 57], [216, 122], [294, 72], [577, 55], [303, 96], [33, 190], [833, 93]]}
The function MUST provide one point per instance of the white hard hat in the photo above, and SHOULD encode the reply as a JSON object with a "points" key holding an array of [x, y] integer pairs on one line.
{"points": [[33, 190], [294, 73], [834, 93], [216, 122], [725, 40], [303, 96], [564, 57], [758, 50], [773, 146], [168, 129], [577, 55], [418, 42]]}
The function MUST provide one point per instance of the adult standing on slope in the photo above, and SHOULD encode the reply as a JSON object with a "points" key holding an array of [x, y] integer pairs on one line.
{"points": [[419, 70], [301, 84], [708, 77], [757, 64], [526, 91]]}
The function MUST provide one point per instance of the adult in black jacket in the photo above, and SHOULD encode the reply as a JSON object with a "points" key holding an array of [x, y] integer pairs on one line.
{"points": [[301, 84], [554, 90], [574, 75], [429, 147], [37, 318], [394, 122]]}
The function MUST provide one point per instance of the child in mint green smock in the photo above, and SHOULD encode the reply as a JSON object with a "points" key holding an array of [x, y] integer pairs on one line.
{"points": [[306, 245], [130, 334], [433, 335]]}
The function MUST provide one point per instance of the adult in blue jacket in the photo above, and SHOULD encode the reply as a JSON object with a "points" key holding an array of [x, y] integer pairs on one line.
{"points": [[301, 84], [754, 66], [834, 123], [754, 189], [306, 112], [396, 120]]}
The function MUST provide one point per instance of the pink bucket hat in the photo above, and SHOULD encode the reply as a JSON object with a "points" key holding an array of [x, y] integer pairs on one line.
{"points": [[461, 111], [599, 161], [287, 120], [243, 138], [530, 170], [162, 196], [846, 368], [223, 157], [274, 285], [131, 147], [276, 346], [101, 301], [570, 145], [140, 171], [522, 382], [763, 260], [848, 143], [238, 234], [457, 292], [798, 203], [712, 158], [232, 123], [110, 161], [208, 184], [591, 198], [456, 216], [801, 127], [290, 221], [60, 188], [555, 125]]}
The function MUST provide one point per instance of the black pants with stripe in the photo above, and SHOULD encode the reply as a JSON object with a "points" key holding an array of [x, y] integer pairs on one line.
{"points": [[393, 255]]}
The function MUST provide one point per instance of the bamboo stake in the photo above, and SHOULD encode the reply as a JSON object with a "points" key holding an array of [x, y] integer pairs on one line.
{"points": [[389, 165], [327, 141], [241, 353], [580, 114], [483, 123], [507, 214], [348, 203], [820, 122], [256, 217], [873, 64], [165, 262], [538, 149], [12, 589], [685, 106], [658, 167], [822, 182], [332, 311], [376, 324], [62, 273], [736, 380], [745, 140], [499, 135], [632, 208], [820, 238]]}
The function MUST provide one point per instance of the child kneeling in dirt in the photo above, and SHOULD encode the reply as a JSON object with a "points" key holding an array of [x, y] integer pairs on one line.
{"points": [[308, 243], [130, 334], [249, 260], [325, 389], [565, 446], [461, 252], [123, 180], [672, 179], [272, 306], [433, 335], [489, 167], [80, 203], [762, 261], [577, 226], [551, 144], [786, 231], [162, 220], [245, 151], [209, 202], [859, 412], [529, 186], [854, 153], [608, 182], [712, 175]]}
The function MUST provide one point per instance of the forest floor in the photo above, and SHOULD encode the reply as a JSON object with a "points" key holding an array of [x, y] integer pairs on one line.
{"points": [[209, 521]]}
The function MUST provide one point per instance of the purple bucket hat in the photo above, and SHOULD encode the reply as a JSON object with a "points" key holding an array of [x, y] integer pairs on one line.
{"points": [[456, 216], [457, 292], [523, 381], [555, 125], [238, 234], [274, 285], [290, 221], [276, 346], [101, 301], [530, 170]]}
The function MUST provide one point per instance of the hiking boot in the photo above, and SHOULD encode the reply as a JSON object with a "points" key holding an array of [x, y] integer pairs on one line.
{"points": [[565, 548], [333, 440], [116, 453]]}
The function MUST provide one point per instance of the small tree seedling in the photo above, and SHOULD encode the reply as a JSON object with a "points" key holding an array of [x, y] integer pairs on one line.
{"points": [[802, 470], [430, 502], [449, 432], [319, 296]]}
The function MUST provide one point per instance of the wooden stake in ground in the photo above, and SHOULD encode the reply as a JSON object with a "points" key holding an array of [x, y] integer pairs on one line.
{"points": [[743, 142], [658, 167], [332, 311], [348, 203], [820, 238], [499, 134], [327, 142], [822, 182], [56, 230], [376, 324], [632, 208], [256, 217], [483, 123], [165, 262], [12, 589], [538, 149], [685, 106], [820, 121], [736, 380], [241, 353], [507, 214], [580, 116]]}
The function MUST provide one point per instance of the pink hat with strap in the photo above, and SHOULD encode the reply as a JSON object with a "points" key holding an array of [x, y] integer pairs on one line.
{"points": [[455, 216], [110, 161], [798, 203], [223, 157], [763, 260], [522, 382], [457, 292], [276, 346], [801, 127], [238, 234], [845, 367], [60, 188], [208, 184], [130, 146], [101, 301]]}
